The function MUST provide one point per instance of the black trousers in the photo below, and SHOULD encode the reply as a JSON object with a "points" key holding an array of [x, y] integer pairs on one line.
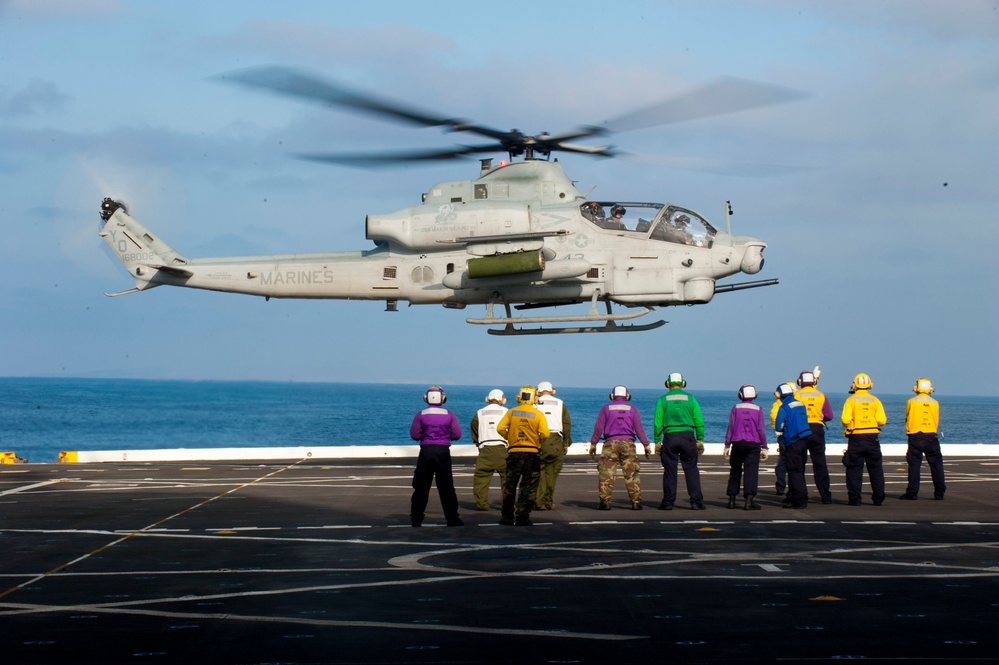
{"points": [[861, 450], [434, 462], [745, 457], [817, 452], [920, 444]]}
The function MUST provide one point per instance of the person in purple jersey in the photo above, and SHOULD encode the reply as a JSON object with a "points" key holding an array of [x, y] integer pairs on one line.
{"points": [[435, 428], [745, 446], [619, 423]]}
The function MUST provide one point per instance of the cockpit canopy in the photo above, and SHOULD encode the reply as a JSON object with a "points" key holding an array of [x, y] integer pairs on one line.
{"points": [[655, 221]]}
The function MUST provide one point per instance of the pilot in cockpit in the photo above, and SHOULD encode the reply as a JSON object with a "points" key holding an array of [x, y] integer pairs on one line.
{"points": [[593, 211], [615, 221]]}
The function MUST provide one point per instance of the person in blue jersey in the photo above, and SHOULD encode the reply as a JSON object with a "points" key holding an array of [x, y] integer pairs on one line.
{"points": [[679, 435], [745, 446], [792, 423], [435, 427]]}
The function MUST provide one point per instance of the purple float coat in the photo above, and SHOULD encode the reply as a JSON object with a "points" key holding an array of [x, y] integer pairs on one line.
{"points": [[745, 423], [619, 420], [435, 426]]}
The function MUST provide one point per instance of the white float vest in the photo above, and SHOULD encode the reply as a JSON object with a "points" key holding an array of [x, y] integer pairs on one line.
{"points": [[552, 408], [489, 417]]}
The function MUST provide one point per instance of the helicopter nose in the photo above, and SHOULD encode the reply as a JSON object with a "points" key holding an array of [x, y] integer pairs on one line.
{"points": [[752, 258]]}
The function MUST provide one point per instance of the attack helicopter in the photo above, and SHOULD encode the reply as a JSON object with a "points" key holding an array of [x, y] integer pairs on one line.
{"points": [[520, 235]]}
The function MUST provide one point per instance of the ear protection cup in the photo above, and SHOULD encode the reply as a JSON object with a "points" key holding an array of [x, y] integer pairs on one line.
{"points": [[620, 391], [434, 396]]}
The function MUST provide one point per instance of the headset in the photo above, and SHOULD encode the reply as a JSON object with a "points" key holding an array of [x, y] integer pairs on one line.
{"points": [[675, 379], [806, 378], [783, 390], [923, 385], [747, 391], [434, 396], [620, 391]]}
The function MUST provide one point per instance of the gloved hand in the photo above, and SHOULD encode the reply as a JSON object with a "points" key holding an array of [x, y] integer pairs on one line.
{"points": [[659, 448], [648, 452], [728, 452], [700, 448], [764, 454], [593, 451]]}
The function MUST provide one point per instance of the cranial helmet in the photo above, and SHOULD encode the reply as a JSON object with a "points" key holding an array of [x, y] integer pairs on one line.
{"points": [[861, 382], [783, 390], [747, 391], [435, 396], [527, 395], [675, 379], [546, 387], [620, 391], [496, 395], [923, 385], [806, 378]]}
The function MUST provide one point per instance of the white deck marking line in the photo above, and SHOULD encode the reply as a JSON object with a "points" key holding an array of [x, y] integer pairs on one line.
{"points": [[348, 624], [25, 488], [145, 529]]}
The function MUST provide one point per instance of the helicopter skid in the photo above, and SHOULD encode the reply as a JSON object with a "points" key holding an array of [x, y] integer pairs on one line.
{"points": [[609, 319]]}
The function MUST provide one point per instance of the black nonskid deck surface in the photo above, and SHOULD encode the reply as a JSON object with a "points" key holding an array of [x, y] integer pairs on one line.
{"points": [[315, 562]]}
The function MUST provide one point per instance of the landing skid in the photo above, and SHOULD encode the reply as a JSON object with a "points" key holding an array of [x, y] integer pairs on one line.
{"points": [[609, 320]]}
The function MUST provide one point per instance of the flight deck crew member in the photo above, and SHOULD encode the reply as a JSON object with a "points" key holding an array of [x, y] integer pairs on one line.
{"points": [[679, 433], [922, 420], [863, 417], [554, 448], [819, 413], [745, 446], [618, 424], [524, 428], [780, 469], [492, 447], [435, 427], [792, 423]]}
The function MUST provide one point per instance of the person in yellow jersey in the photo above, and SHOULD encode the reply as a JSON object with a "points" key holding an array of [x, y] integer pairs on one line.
{"points": [[524, 428], [819, 413], [863, 417], [922, 421]]}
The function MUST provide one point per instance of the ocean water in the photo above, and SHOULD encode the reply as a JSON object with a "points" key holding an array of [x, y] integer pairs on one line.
{"points": [[41, 417]]}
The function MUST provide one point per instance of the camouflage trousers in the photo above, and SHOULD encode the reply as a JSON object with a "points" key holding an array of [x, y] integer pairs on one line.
{"points": [[615, 452], [523, 470]]}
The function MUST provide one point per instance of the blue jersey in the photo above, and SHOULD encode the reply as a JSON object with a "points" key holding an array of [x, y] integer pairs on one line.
{"points": [[792, 420]]}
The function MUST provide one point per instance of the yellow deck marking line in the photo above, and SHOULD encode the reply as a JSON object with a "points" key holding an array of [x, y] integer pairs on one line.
{"points": [[144, 529]]}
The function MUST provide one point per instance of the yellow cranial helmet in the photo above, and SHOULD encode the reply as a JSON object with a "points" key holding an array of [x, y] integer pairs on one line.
{"points": [[861, 382], [527, 395], [923, 385]]}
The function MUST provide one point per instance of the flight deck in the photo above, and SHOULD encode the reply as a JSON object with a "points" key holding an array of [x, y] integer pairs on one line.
{"points": [[314, 561]]}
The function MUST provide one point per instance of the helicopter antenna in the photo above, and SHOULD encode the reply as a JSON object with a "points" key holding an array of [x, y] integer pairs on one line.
{"points": [[728, 217]]}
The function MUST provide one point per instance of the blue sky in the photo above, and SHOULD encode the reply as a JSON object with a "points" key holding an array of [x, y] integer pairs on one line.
{"points": [[884, 245]]}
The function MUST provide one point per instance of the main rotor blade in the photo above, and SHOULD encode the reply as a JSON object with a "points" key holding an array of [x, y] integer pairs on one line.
{"points": [[717, 166], [390, 158], [287, 81], [726, 95]]}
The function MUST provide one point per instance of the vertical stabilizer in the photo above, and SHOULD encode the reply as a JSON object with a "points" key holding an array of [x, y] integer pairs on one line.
{"points": [[147, 258]]}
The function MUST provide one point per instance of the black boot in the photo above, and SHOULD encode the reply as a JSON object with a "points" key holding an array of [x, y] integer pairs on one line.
{"points": [[750, 504], [731, 501]]}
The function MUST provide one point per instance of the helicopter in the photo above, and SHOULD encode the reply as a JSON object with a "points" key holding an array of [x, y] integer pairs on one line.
{"points": [[520, 235]]}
